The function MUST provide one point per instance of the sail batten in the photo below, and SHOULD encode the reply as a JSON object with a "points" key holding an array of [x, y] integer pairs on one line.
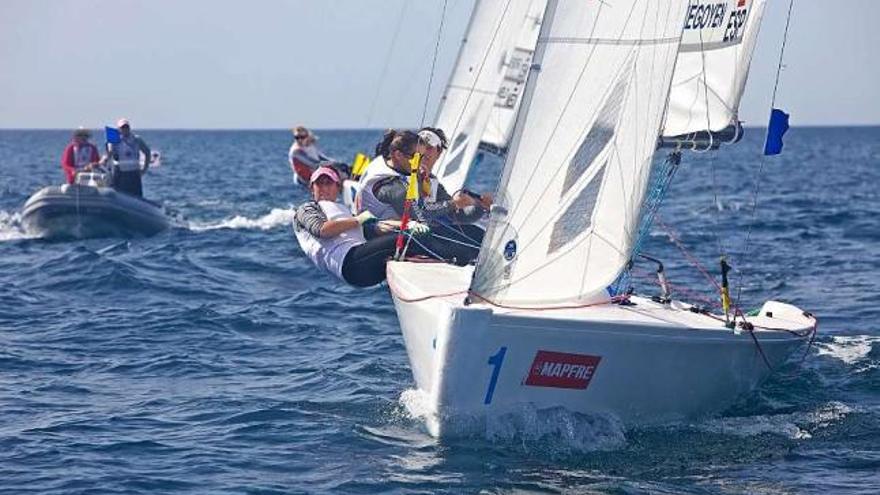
{"points": [[581, 152]]}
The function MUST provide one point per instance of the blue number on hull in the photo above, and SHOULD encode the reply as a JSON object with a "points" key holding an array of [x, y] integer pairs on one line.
{"points": [[495, 361]]}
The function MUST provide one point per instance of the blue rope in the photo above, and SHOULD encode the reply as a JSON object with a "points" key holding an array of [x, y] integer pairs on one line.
{"points": [[659, 187]]}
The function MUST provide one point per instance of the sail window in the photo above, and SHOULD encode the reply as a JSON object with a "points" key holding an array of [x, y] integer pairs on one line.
{"points": [[599, 136], [578, 215]]}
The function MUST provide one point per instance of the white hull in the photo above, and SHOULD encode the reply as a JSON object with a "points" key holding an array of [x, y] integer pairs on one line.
{"points": [[646, 363]]}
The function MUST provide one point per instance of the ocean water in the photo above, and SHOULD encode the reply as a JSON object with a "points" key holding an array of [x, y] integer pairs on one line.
{"points": [[214, 358]]}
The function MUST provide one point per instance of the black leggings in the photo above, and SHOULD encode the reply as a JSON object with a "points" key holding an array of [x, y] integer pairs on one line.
{"points": [[459, 244], [364, 265]]}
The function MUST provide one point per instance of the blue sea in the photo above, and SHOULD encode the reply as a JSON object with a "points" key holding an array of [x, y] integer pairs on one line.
{"points": [[214, 358]]}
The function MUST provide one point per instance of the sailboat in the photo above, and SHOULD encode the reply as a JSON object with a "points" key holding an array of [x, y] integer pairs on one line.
{"points": [[538, 321], [484, 91]]}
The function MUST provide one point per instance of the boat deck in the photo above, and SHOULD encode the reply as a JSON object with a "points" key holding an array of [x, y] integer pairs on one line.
{"points": [[448, 284]]}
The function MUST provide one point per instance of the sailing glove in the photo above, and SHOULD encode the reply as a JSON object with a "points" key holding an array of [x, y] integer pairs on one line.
{"points": [[364, 217], [418, 228]]}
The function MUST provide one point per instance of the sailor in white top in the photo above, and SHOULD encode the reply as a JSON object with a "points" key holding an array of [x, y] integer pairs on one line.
{"points": [[352, 248]]}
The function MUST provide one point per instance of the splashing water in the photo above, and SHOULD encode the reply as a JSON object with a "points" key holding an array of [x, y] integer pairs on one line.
{"points": [[275, 218]]}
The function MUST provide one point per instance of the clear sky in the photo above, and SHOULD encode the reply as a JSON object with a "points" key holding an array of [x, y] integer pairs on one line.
{"points": [[275, 63]]}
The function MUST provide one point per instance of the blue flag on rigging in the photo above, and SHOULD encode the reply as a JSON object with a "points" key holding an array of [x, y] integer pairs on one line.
{"points": [[112, 135], [775, 130]]}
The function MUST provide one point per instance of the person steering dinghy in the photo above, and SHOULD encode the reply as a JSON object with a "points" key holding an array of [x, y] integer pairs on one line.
{"points": [[80, 155]]}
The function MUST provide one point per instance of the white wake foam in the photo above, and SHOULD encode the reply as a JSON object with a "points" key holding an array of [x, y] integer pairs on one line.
{"points": [[849, 349], [557, 429], [799, 425], [11, 227], [275, 218]]}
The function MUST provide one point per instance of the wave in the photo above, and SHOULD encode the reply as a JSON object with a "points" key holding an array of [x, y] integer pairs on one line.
{"points": [[275, 218], [796, 426], [11, 228], [849, 349], [558, 429]]}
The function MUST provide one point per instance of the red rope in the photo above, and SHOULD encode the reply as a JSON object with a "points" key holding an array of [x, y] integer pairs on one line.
{"points": [[812, 338], [615, 299], [687, 254], [397, 294]]}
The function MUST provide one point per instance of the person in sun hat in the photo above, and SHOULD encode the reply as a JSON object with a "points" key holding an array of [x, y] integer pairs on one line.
{"points": [[352, 248], [79, 155], [304, 155], [125, 159]]}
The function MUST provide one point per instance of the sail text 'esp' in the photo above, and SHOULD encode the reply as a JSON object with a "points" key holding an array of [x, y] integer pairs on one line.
{"points": [[713, 15]]}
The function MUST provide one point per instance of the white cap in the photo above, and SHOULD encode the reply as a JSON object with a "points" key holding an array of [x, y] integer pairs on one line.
{"points": [[121, 122]]}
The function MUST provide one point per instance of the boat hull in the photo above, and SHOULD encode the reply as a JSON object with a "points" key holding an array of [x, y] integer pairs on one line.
{"points": [[643, 364], [79, 211]]}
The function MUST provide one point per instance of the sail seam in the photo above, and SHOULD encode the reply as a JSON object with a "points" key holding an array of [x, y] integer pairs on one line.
{"points": [[717, 45], [472, 90], [608, 41]]}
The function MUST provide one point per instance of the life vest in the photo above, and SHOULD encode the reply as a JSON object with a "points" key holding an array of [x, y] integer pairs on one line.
{"points": [[366, 198], [126, 154], [329, 254], [83, 155], [376, 168], [304, 160]]}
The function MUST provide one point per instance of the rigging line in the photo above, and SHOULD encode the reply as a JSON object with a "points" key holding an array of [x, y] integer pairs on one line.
{"points": [[756, 188], [473, 88], [458, 230], [490, 302], [387, 62], [511, 157], [427, 250], [717, 213], [632, 55], [659, 185], [454, 241], [687, 253], [781, 53], [556, 125], [645, 171], [434, 63]]}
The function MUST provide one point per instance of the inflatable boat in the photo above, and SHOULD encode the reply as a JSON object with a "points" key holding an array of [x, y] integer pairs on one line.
{"points": [[90, 208]]}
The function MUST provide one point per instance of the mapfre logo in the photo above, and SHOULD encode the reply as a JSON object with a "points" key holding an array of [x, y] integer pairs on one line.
{"points": [[562, 370]]}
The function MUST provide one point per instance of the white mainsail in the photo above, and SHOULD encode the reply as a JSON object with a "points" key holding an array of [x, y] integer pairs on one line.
{"points": [[567, 208], [499, 127], [716, 50], [487, 65]]}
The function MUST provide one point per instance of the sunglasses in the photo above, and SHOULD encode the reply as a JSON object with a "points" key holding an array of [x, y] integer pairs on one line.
{"points": [[301, 137]]}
